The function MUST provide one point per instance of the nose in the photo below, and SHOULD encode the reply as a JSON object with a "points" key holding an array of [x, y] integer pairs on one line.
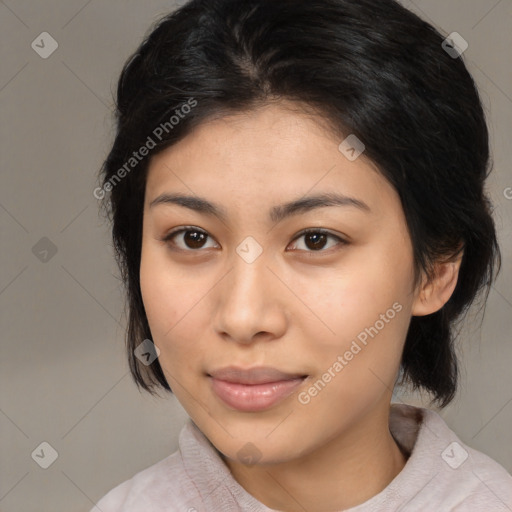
{"points": [[249, 303]]}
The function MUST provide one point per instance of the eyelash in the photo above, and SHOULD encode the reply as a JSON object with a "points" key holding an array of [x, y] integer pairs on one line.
{"points": [[167, 238]]}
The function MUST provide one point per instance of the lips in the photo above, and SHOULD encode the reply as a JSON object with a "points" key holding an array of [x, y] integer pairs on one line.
{"points": [[253, 389]]}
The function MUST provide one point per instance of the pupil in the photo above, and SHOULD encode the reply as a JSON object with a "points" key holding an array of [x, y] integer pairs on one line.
{"points": [[195, 240], [318, 240]]}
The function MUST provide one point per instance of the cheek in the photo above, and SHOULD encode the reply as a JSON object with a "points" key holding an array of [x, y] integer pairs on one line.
{"points": [[361, 291], [166, 293], [367, 312], [172, 300], [159, 304]]}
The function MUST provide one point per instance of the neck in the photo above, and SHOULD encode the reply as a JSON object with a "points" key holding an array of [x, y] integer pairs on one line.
{"points": [[346, 471]]}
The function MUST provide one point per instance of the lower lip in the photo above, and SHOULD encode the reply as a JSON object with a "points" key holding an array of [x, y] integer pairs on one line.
{"points": [[254, 397]]}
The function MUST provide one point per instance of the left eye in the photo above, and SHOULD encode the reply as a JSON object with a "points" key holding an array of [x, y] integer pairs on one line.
{"points": [[316, 240]]}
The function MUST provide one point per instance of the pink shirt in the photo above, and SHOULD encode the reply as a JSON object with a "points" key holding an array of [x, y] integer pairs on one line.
{"points": [[441, 474]]}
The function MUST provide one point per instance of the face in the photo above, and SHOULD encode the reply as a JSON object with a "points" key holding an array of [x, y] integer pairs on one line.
{"points": [[268, 335]]}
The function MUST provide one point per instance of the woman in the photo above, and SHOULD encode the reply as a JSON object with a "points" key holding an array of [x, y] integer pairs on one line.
{"points": [[297, 198]]}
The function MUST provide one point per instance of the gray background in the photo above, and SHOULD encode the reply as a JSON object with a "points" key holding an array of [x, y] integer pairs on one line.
{"points": [[64, 379]]}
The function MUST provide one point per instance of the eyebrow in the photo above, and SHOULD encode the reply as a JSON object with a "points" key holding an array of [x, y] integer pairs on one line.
{"points": [[276, 214]]}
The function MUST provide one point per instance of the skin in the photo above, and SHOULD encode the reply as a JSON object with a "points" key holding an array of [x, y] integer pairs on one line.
{"points": [[295, 307]]}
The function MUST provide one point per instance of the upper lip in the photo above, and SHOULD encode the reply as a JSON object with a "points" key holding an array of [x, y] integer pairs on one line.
{"points": [[258, 375]]}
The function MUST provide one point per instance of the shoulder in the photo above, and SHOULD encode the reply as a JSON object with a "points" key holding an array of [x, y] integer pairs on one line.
{"points": [[192, 479], [455, 475], [160, 483], [166, 485]]}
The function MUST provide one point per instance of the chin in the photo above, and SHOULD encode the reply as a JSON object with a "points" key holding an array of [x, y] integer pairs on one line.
{"points": [[253, 446]]}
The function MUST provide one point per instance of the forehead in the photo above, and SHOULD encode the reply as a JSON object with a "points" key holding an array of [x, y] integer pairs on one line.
{"points": [[267, 155]]}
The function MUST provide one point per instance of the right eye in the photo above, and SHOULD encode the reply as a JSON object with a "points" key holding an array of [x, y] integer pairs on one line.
{"points": [[189, 238]]}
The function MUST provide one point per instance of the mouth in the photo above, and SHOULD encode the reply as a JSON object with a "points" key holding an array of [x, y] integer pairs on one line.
{"points": [[253, 389]]}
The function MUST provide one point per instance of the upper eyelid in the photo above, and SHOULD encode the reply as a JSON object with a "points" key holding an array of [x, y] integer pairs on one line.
{"points": [[181, 229]]}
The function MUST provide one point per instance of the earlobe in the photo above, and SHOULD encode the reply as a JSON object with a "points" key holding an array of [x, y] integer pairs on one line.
{"points": [[434, 294]]}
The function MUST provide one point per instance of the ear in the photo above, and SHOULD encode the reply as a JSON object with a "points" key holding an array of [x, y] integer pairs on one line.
{"points": [[434, 294]]}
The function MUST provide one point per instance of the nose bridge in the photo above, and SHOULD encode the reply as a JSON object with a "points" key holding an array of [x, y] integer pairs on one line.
{"points": [[249, 266], [247, 279]]}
